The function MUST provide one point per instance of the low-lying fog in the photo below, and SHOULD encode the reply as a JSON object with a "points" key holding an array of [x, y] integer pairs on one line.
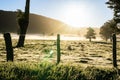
{"points": [[41, 37]]}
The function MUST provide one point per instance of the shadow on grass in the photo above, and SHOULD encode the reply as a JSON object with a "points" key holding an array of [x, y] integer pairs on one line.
{"points": [[100, 42]]}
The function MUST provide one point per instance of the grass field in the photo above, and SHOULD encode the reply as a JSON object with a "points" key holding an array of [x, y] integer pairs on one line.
{"points": [[80, 60], [81, 52]]}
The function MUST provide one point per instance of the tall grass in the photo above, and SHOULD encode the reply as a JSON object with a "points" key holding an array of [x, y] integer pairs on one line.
{"points": [[48, 71]]}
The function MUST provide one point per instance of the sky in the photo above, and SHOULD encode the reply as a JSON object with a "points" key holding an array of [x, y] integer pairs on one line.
{"points": [[78, 13]]}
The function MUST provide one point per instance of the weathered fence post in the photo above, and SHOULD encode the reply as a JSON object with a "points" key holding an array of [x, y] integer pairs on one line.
{"points": [[58, 48], [114, 50], [9, 47]]}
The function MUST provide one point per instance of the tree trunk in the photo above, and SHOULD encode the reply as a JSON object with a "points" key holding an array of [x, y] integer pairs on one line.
{"points": [[106, 39], [21, 40], [114, 51], [24, 25], [9, 47], [90, 39]]}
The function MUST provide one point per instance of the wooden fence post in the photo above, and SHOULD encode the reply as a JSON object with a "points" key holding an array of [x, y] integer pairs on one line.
{"points": [[114, 50], [58, 48], [9, 47]]}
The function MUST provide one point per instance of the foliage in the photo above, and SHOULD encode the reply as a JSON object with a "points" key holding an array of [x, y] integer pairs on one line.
{"points": [[23, 17], [107, 30], [20, 17], [90, 34], [115, 5], [48, 71]]}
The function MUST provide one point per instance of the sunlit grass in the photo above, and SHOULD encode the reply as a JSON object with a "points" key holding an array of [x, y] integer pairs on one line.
{"points": [[48, 71], [80, 60], [97, 53]]}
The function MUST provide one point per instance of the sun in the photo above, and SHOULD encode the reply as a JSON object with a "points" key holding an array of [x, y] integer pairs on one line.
{"points": [[75, 15]]}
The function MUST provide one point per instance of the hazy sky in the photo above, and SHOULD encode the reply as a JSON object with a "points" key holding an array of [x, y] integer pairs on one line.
{"points": [[78, 13]]}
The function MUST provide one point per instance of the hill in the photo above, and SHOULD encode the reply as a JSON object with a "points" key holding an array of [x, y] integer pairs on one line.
{"points": [[38, 25]]}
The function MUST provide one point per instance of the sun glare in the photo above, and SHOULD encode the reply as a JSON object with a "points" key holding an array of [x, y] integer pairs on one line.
{"points": [[75, 15]]}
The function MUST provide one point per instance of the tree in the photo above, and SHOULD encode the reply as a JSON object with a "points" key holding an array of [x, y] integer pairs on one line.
{"points": [[23, 21], [107, 29], [90, 34], [115, 5]]}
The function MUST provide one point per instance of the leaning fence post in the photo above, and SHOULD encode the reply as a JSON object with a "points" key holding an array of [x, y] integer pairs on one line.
{"points": [[9, 47], [114, 50], [58, 48]]}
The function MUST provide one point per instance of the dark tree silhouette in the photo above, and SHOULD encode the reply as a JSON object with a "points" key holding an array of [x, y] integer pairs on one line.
{"points": [[9, 48], [115, 6], [23, 21], [107, 29], [90, 34], [114, 50]]}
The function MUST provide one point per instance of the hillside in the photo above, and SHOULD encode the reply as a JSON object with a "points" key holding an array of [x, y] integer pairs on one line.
{"points": [[38, 25]]}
